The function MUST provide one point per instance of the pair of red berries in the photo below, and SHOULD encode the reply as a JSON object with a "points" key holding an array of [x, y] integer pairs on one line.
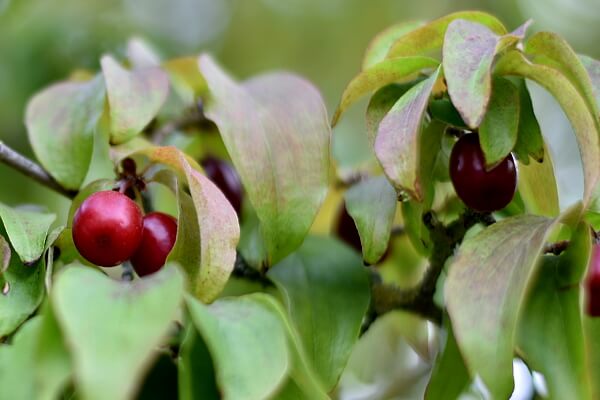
{"points": [[109, 229]]}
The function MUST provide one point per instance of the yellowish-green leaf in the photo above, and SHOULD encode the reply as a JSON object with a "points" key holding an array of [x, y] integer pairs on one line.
{"points": [[389, 71], [584, 122], [538, 189], [380, 45], [431, 36], [549, 49]]}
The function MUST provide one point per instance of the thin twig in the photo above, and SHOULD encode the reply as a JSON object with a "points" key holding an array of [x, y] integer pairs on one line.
{"points": [[31, 169]]}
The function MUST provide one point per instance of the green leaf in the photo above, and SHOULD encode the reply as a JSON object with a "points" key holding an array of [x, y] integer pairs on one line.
{"points": [[27, 231], [485, 288], [431, 36], [208, 230], [550, 334], [538, 189], [380, 104], [397, 141], [247, 342], [387, 362], [549, 49], [379, 75], [575, 107], [450, 376], [326, 291], [276, 131], [469, 52], [21, 293], [53, 366], [529, 139], [134, 97], [443, 110], [591, 327], [381, 43], [17, 361], [61, 121], [372, 206], [196, 371], [111, 327], [593, 69], [499, 128]]}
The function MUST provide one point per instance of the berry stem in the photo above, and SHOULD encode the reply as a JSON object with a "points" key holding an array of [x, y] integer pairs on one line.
{"points": [[31, 169]]}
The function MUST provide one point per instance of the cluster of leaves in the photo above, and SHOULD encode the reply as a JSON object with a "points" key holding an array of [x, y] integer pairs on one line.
{"points": [[465, 71], [71, 327]]}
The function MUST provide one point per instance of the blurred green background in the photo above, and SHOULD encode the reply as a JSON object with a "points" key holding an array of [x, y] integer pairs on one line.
{"points": [[42, 41]]}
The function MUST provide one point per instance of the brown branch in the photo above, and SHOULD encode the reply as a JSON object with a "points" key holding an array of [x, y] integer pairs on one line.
{"points": [[31, 169], [419, 299]]}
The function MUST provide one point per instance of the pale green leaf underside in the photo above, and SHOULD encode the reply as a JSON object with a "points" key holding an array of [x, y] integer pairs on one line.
{"points": [[61, 121], [113, 327], [247, 342]]}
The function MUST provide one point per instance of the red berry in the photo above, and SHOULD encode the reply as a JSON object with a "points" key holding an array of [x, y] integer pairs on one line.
{"points": [[222, 174], [479, 189], [158, 238], [346, 229], [592, 284], [107, 228]]}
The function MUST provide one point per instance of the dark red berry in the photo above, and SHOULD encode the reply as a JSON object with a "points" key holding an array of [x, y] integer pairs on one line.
{"points": [[346, 229], [592, 284], [107, 228], [158, 238], [479, 189], [222, 174]]}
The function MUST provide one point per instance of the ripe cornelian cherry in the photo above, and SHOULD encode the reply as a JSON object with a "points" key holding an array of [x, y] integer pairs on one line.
{"points": [[478, 188], [222, 174], [346, 230], [592, 284], [107, 228], [158, 238]]}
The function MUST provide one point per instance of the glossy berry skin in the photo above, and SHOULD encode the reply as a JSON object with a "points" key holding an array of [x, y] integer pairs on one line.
{"points": [[481, 190], [222, 174], [592, 284], [346, 230], [158, 238], [107, 228]]}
